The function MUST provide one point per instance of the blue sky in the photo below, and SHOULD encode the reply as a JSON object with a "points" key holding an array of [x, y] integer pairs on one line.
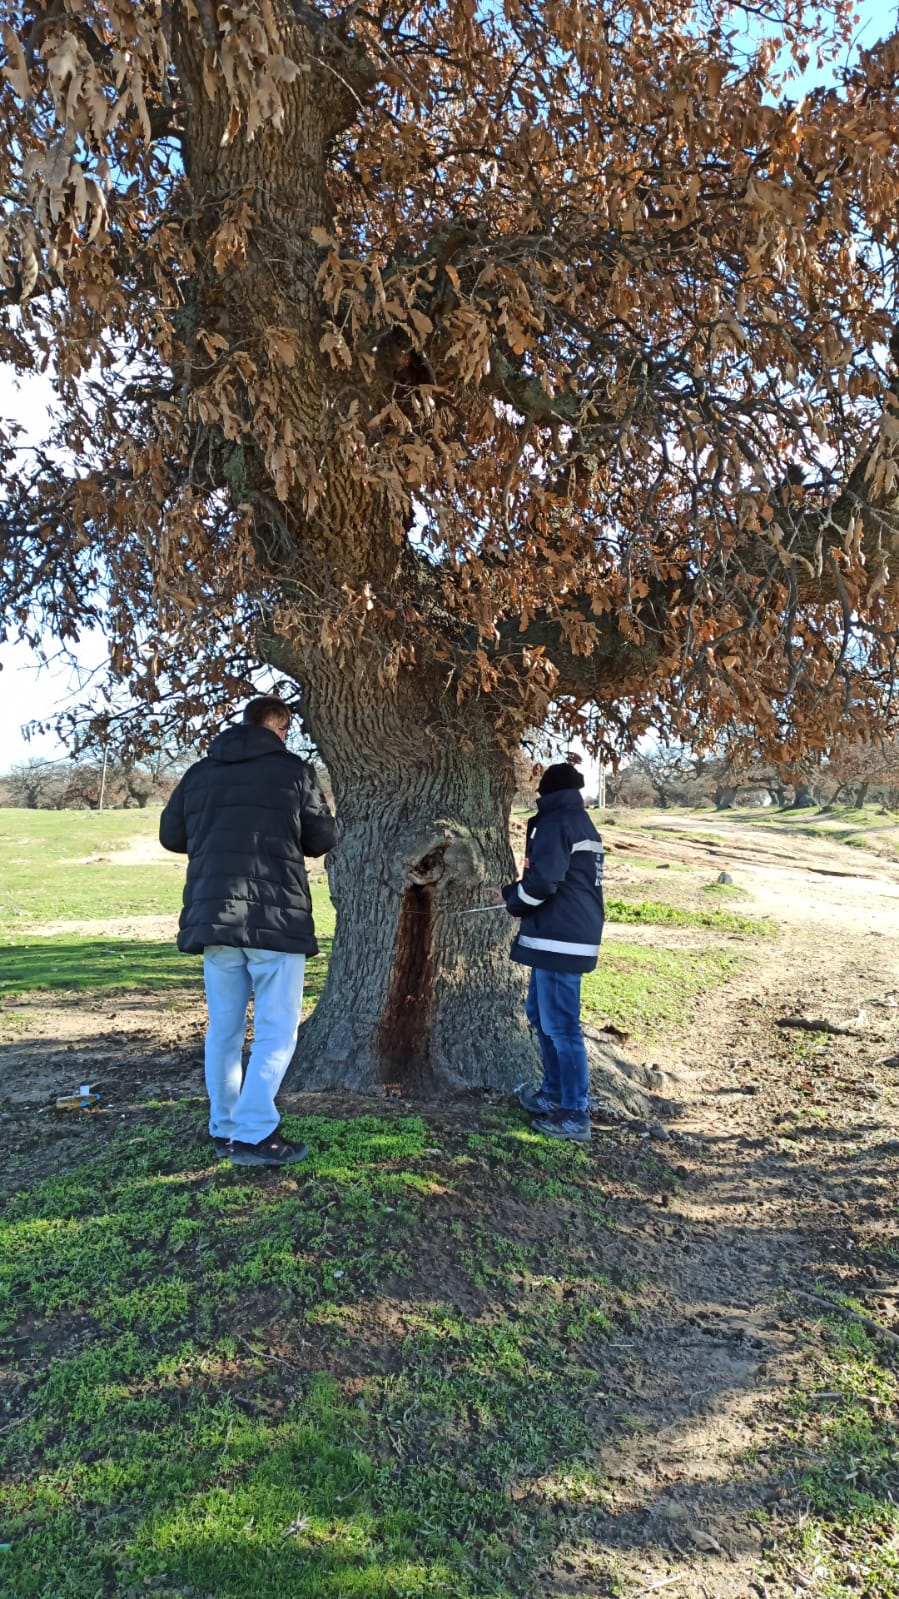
{"points": [[28, 690]]}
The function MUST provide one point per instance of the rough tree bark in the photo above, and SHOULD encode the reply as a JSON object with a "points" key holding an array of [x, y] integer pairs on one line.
{"points": [[419, 994]]}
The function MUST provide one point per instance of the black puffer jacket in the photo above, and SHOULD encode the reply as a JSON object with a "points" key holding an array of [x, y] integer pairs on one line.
{"points": [[245, 816]]}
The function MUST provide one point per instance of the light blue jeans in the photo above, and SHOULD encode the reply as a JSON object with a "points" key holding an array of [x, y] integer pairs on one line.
{"points": [[243, 1105]]}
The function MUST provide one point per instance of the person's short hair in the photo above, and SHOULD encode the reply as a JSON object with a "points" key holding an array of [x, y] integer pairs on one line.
{"points": [[266, 710]]}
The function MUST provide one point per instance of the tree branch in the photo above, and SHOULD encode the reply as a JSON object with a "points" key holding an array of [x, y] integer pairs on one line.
{"points": [[527, 394], [614, 658]]}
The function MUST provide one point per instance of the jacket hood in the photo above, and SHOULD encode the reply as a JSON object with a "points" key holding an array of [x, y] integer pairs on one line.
{"points": [[564, 799], [244, 744]]}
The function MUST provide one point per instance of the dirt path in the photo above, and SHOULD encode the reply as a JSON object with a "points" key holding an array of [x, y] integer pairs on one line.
{"points": [[805, 883], [789, 1165]]}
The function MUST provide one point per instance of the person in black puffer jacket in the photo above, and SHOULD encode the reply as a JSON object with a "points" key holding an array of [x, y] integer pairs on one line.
{"points": [[246, 816], [560, 904]]}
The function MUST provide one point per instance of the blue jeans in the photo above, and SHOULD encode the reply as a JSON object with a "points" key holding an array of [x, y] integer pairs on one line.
{"points": [[242, 1105], [553, 1008]]}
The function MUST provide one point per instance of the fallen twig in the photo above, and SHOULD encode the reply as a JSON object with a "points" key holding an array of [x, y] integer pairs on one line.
{"points": [[262, 1354], [853, 1315], [654, 1587], [818, 1025]]}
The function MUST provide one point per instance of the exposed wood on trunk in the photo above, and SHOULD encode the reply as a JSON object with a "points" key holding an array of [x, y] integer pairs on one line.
{"points": [[405, 1034]]}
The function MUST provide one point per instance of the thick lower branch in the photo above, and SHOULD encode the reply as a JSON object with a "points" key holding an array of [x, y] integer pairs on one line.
{"points": [[617, 657]]}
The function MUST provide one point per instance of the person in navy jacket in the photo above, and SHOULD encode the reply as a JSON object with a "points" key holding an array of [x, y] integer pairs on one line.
{"points": [[559, 903]]}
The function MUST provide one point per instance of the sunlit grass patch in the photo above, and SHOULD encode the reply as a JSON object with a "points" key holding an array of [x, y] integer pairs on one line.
{"points": [[72, 963], [643, 989], [725, 891], [656, 913], [78, 965], [62, 865], [65, 868]]}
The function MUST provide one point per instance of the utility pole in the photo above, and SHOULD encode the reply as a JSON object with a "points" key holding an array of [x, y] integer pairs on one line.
{"points": [[103, 776]]}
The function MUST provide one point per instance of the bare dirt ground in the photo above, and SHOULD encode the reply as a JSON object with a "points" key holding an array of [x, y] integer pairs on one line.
{"points": [[789, 1165], [786, 1155]]}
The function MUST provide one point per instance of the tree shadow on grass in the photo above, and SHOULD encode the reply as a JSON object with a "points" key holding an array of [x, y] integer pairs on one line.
{"points": [[78, 965], [83, 965]]}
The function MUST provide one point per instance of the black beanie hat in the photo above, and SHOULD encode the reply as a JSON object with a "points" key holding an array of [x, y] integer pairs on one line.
{"points": [[556, 778]]}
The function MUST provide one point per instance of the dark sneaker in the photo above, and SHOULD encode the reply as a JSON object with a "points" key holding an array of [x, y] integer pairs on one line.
{"points": [[271, 1151], [536, 1103], [222, 1147], [568, 1124]]}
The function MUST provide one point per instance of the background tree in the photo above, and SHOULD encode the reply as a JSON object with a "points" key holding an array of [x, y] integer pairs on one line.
{"points": [[630, 788], [66, 785], [36, 784], [671, 776], [672, 773], [455, 360], [859, 773]]}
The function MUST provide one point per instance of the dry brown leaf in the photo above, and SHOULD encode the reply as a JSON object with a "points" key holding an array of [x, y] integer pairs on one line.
{"points": [[15, 68]]}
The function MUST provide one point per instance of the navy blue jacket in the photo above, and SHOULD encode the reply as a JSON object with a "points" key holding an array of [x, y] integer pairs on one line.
{"points": [[559, 897], [244, 816]]}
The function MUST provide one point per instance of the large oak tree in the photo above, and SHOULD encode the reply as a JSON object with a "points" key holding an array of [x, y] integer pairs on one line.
{"points": [[462, 360]]}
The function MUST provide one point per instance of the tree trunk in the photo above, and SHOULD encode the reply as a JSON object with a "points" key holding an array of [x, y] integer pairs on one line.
{"points": [[421, 997], [803, 797]]}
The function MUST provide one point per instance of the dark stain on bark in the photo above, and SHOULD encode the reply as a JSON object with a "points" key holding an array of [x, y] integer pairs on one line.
{"points": [[405, 1043]]}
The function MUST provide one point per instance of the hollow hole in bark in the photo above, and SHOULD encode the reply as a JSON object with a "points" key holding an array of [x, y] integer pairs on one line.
{"points": [[406, 1025], [429, 869]]}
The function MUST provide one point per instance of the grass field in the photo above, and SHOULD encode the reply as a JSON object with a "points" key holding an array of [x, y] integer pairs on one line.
{"points": [[61, 865], [181, 1434]]}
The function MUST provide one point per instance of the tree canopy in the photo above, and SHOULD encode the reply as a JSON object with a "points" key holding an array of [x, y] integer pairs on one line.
{"points": [[542, 344]]}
